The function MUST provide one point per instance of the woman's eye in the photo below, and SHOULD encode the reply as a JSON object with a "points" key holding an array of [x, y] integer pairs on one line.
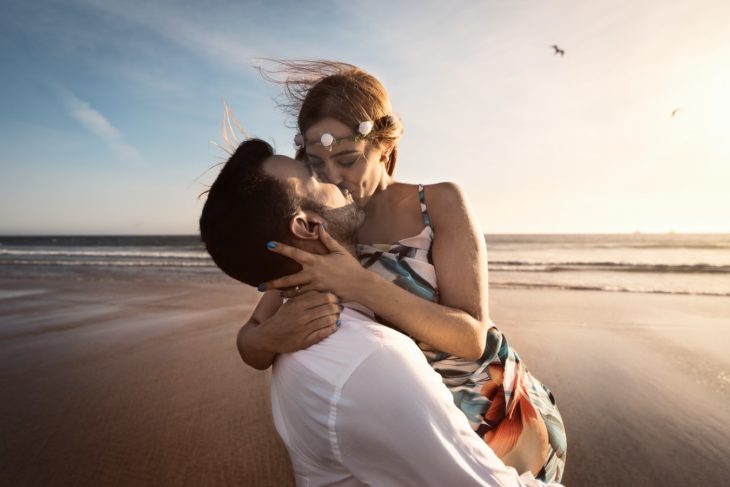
{"points": [[347, 163]]}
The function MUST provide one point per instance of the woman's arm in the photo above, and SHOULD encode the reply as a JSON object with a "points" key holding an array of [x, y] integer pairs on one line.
{"points": [[278, 327], [459, 322], [248, 340]]}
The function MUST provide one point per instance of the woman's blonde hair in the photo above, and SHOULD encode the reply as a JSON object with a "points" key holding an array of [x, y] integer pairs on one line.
{"points": [[329, 89]]}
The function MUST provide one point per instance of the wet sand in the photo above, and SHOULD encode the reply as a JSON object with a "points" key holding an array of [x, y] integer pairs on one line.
{"points": [[135, 382]]}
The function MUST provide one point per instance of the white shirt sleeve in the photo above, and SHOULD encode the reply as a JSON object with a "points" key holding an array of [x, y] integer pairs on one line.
{"points": [[396, 424]]}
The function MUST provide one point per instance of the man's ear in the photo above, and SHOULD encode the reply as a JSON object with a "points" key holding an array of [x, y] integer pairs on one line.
{"points": [[304, 225]]}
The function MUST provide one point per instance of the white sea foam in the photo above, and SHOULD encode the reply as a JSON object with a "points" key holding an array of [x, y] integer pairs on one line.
{"points": [[524, 285], [111, 252], [7, 294], [109, 263]]}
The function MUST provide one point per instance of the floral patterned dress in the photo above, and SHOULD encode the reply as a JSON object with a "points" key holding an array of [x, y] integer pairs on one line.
{"points": [[505, 405]]}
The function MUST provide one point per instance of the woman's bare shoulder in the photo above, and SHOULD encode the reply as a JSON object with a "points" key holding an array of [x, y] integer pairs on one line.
{"points": [[447, 206], [445, 190], [444, 194], [402, 195], [398, 187]]}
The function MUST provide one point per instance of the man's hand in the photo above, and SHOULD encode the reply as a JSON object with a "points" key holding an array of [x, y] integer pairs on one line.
{"points": [[299, 323], [338, 271]]}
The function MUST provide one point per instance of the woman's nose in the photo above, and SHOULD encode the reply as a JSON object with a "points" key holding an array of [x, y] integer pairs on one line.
{"points": [[333, 174]]}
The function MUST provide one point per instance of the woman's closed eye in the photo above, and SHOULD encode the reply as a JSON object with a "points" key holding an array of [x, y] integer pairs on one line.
{"points": [[318, 164], [347, 162]]}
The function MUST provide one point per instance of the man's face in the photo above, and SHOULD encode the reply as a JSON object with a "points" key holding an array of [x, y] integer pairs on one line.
{"points": [[298, 176], [341, 213]]}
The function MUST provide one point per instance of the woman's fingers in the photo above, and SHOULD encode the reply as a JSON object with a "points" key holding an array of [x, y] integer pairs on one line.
{"points": [[301, 256], [294, 292], [321, 322], [324, 328], [309, 299], [324, 310], [317, 298], [329, 242], [319, 335]]}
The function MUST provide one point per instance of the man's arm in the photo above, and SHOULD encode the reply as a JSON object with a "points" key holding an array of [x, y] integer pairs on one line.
{"points": [[396, 424]]}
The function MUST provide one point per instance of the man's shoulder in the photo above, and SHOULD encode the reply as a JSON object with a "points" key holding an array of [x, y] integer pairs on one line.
{"points": [[336, 357]]}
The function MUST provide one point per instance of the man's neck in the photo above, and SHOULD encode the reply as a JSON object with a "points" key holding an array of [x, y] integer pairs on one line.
{"points": [[317, 247]]}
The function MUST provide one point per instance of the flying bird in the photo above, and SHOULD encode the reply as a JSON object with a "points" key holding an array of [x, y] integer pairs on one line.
{"points": [[674, 112], [558, 50]]}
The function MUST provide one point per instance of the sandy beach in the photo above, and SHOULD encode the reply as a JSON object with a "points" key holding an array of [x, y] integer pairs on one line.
{"points": [[119, 381]]}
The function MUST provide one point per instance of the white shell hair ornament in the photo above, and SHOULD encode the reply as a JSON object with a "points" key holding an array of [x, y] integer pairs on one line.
{"points": [[298, 141], [328, 140], [365, 127]]}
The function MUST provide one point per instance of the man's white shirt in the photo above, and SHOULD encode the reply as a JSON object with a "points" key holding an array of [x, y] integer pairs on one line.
{"points": [[363, 407]]}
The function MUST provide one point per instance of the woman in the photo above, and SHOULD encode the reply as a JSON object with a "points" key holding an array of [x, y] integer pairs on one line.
{"points": [[429, 280]]}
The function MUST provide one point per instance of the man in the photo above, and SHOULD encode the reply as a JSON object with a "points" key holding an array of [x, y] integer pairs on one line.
{"points": [[361, 407]]}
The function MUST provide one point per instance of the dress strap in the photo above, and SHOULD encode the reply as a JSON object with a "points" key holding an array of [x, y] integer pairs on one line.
{"points": [[424, 209]]}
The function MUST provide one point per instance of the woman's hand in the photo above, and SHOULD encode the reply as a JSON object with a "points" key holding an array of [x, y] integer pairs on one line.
{"points": [[299, 323], [335, 272]]}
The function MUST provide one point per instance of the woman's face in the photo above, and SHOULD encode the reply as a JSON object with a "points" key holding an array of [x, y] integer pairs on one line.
{"points": [[355, 166]]}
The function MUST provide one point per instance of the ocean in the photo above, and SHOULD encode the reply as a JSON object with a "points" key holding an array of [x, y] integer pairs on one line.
{"points": [[696, 264]]}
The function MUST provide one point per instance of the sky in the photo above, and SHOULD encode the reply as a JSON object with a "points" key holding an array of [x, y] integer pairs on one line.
{"points": [[108, 107]]}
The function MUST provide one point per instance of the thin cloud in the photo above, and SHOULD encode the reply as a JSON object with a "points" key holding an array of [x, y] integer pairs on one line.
{"points": [[99, 126], [155, 80], [232, 35], [185, 29]]}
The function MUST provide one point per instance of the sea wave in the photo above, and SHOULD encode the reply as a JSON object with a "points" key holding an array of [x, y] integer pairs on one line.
{"points": [[622, 289], [610, 241], [82, 253], [108, 263], [532, 266], [172, 258]]}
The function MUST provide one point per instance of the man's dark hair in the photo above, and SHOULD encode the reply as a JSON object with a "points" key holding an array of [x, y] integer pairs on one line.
{"points": [[245, 209]]}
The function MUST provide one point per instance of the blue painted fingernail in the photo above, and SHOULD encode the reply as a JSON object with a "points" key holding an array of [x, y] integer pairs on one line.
{"points": [[270, 245], [338, 323], [261, 287]]}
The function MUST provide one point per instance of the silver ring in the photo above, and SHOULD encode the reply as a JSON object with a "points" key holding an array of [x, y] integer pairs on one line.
{"points": [[298, 290]]}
